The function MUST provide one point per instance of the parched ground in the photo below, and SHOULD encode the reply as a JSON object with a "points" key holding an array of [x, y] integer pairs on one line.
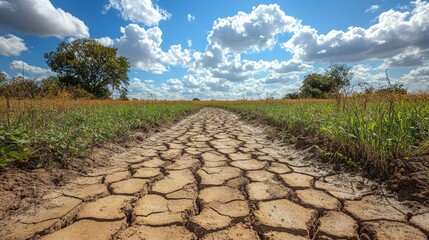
{"points": [[213, 177]]}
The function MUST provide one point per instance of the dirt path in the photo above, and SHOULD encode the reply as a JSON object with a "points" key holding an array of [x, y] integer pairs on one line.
{"points": [[213, 177]]}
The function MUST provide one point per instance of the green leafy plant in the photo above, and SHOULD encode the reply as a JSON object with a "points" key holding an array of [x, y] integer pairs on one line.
{"points": [[14, 145]]}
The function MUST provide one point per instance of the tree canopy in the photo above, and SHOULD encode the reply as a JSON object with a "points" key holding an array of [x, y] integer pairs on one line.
{"points": [[3, 82], [3, 78], [87, 64], [340, 74], [316, 85]]}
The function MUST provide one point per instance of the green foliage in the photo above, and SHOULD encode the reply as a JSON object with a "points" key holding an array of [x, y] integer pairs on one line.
{"points": [[23, 88], [3, 84], [392, 89], [316, 86], [340, 74], [327, 85], [59, 135], [196, 99], [18, 87], [337, 156], [294, 95], [3, 78], [123, 94], [80, 93], [14, 145], [50, 87], [89, 65], [374, 134]]}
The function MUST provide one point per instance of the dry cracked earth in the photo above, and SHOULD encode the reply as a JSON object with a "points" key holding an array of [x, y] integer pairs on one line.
{"points": [[211, 176]]}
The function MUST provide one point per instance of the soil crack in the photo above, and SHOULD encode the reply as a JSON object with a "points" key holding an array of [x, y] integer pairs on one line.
{"points": [[211, 176]]}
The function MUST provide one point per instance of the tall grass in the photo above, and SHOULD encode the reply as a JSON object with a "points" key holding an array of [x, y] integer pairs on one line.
{"points": [[52, 131], [371, 131]]}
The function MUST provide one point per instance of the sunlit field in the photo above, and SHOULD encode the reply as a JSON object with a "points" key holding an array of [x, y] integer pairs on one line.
{"points": [[368, 130], [54, 131]]}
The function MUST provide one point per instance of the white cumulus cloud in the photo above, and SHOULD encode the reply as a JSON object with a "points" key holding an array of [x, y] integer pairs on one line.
{"points": [[143, 49], [289, 66], [393, 34], [41, 18], [141, 11], [420, 71], [106, 41], [222, 68], [281, 78], [369, 76], [251, 32], [11, 45], [29, 70], [409, 58], [417, 79], [176, 56]]}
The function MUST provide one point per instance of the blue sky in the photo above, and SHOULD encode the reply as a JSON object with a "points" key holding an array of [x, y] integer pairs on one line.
{"points": [[226, 49]]}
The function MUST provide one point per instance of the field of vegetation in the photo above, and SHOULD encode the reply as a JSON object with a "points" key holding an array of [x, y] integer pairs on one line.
{"points": [[42, 131], [369, 130]]}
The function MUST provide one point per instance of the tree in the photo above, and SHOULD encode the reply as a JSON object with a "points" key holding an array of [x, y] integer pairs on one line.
{"points": [[21, 88], [316, 85], [50, 87], [293, 95], [89, 65], [3, 78], [395, 88], [3, 84], [326, 85], [341, 76], [123, 92], [18, 87]]}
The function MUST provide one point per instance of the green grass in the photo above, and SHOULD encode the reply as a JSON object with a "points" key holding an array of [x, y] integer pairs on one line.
{"points": [[54, 133], [370, 134]]}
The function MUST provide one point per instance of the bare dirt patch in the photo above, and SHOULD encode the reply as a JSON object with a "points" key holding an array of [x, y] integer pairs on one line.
{"points": [[411, 179]]}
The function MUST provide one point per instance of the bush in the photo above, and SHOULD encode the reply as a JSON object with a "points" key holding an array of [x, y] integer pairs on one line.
{"points": [[317, 86], [392, 89], [294, 95]]}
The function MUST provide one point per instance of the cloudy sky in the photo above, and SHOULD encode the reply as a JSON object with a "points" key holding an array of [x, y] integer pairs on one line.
{"points": [[223, 49]]}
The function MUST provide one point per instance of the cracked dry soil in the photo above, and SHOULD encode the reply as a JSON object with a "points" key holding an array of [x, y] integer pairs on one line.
{"points": [[211, 176]]}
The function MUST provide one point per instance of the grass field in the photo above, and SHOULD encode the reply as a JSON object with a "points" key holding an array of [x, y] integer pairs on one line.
{"points": [[48, 131], [368, 130]]}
